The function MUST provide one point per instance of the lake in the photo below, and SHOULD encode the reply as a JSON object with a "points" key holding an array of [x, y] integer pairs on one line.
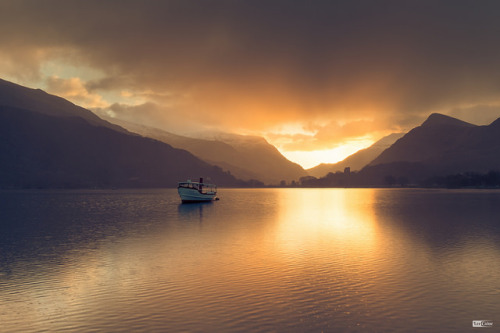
{"points": [[258, 260]]}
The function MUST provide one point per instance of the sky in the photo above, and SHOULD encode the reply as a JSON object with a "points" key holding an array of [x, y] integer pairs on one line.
{"points": [[318, 79]]}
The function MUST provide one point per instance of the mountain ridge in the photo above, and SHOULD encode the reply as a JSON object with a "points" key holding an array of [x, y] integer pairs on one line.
{"points": [[443, 147], [441, 152], [438, 119], [49, 148], [246, 157], [17, 96]]}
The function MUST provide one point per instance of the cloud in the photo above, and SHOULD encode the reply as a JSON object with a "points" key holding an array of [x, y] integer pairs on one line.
{"points": [[153, 115], [256, 64], [327, 136], [477, 114], [74, 89]]}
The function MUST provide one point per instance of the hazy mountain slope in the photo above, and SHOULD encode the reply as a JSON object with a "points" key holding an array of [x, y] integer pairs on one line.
{"points": [[46, 141], [246, 157], [357, 160], [37, 100], [256, 154], [38, 150]]}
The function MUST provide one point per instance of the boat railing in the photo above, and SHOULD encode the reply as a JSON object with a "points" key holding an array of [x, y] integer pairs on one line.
{"points": [[201, 187]]}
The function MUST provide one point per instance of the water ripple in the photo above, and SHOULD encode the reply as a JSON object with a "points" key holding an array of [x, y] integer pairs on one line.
{"points": [[256, 261]]}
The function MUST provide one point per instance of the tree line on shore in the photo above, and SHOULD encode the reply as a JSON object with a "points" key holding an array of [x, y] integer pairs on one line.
{"points": [[348, 179]]}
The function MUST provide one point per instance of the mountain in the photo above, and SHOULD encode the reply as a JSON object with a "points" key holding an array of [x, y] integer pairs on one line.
{"points": [[39, 101], [442, 145], [437, 135], [253, 154], [246, 157], [357, 160], [47, 142]]}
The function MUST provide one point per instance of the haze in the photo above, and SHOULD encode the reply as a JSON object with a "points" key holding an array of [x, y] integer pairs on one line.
{"points": [[318, 79]]}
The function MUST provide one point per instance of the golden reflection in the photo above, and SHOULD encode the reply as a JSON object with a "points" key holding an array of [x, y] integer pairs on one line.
{"points": [[327, 217]]}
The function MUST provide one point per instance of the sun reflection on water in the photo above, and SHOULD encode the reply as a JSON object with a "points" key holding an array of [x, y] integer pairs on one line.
{"points": [[327, 218], [257, 260]]}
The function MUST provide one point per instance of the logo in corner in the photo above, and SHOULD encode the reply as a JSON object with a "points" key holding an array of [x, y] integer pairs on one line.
{"points": [[482, 323]]}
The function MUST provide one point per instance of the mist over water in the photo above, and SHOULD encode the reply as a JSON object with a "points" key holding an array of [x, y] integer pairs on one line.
{"points": [[257, 260]]}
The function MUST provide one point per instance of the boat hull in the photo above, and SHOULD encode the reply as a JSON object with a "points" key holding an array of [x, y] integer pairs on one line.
{"points": [[193, 195]]}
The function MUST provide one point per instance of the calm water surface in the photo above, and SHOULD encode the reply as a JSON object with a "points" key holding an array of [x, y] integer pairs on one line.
{"points": [[332, 260]]}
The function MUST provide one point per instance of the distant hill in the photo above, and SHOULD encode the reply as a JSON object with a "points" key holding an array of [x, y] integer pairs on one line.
{"points": [[442, 145], [246, 157], [42, 146], [443, 151], [357, 160]]}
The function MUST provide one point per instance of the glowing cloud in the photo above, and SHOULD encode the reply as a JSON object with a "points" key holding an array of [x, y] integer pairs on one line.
{"points": [[355, 68], [74, 90]]}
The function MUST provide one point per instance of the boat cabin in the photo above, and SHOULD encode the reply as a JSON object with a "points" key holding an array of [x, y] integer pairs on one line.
{"points": [[200, 186]]}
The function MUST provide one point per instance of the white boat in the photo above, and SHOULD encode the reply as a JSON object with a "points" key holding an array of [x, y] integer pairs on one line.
{"points": [[197, 191]]}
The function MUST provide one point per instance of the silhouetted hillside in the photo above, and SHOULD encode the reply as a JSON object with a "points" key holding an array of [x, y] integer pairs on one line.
{"points": [[37, 100], [357, 160], [443, 151], [438, 134], [441, 146], [44, 151], [246, 157], [46, 141]]}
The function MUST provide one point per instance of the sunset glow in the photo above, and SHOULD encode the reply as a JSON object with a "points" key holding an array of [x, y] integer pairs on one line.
{"points": [[237, 67], [249, 166], [309, 159]]}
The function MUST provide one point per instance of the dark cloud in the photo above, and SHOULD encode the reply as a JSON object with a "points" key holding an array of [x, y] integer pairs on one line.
{"points": [[255, 64]]}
